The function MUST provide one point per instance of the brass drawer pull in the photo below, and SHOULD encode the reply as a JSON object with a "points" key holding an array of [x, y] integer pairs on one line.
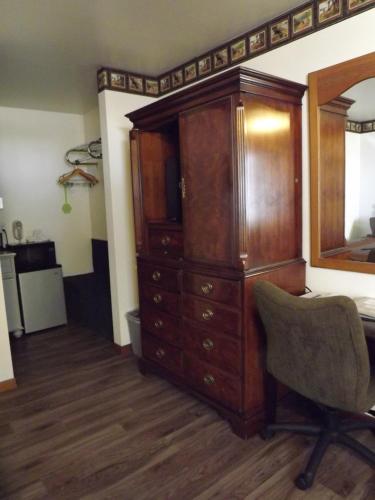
{"points": [[209, 379], [165, 241], [158, 323], [156, 276], [157, 298], [207, 314], [207, 288], [160, 353], [208, 344]]}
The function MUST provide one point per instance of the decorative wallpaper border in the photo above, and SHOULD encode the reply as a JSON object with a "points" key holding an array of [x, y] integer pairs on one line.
{"points": [[294, 24], [360, 127]]}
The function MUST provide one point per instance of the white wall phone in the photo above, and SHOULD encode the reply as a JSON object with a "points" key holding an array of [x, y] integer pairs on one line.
{"points": [[17, 229]]}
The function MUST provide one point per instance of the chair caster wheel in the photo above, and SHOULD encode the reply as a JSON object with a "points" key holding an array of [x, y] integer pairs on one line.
{"points": [[302, 482], [266, 433]]}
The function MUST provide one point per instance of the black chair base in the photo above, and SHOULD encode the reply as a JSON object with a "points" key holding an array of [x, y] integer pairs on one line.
{"points": [[334, 430]]}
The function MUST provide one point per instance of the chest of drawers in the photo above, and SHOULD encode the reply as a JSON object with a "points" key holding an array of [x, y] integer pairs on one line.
{"points": [[200, 331]]}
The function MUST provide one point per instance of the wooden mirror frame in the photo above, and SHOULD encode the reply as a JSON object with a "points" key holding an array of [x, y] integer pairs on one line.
{"points": [[324, 86]]}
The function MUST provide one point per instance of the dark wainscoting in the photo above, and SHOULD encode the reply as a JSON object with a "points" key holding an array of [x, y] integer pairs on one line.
{"points": [[88, 296]]}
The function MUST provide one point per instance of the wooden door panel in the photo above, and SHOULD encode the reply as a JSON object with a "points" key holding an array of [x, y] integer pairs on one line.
{"points": [[332, 185], [206, 154], [155, 148], [274, 180]]}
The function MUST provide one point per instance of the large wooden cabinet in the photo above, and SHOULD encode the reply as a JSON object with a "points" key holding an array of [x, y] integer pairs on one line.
{"points": [[237, 140]]}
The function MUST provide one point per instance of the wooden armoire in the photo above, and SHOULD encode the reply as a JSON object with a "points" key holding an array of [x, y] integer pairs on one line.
{"points": [[236, 139]]}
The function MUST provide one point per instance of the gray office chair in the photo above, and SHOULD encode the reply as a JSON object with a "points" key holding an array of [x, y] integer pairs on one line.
{"points": [[317, 347], [371, 256], [372, 225]]}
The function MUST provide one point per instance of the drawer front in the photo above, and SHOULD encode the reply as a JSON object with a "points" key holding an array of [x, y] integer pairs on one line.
{"points": [[168, 253], [161, 324], [213, 382], [161, 299], [218, 350], [162, 353], [161, 276], [166, 242], [212, 315], [217, 289]]}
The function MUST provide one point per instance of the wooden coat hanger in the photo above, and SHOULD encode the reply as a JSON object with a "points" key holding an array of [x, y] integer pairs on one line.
{"points": [[78, 172]]}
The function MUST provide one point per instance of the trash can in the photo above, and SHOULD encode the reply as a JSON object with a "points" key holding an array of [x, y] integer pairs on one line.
{"points": [[134, 324]]}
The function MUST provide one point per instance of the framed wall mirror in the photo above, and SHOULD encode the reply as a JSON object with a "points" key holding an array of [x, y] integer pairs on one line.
{"points": [[342, 165]]}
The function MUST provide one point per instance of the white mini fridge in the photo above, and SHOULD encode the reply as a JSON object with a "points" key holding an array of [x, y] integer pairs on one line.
{"points": [[42, 299]]}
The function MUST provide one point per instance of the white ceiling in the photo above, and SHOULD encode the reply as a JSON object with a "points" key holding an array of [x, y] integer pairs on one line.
{"points": [[50, 49], [364, 96]]}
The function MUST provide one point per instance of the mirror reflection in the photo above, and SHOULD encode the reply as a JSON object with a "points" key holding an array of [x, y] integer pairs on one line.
{"points": [[347, 133]]}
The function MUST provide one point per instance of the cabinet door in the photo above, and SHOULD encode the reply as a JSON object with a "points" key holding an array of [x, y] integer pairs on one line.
{"points": [[11, 304], [206, 137], [149, 153], [273, 189]]}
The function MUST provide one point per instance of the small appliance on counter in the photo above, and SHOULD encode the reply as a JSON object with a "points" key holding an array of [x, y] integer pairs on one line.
{"points": [[33, 256], [40, 285]]}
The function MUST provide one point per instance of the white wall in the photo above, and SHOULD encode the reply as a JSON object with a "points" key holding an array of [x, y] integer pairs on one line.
{"points": [[367, 188], [359, 184], [352, 184], [119, 205], [96, 194], [32, 148], [6, 367], [338, 43]]}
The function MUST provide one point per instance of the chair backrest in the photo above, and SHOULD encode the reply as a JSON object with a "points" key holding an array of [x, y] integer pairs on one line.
{"points": [[317, 347], [372, 225], [371, 256]]}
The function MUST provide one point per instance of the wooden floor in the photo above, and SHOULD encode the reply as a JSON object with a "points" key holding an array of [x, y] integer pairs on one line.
{"points": [[85, 424]]}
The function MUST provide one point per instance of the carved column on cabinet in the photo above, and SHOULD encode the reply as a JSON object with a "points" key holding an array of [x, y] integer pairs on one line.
{"points": [[137, 189], [242, 179]]}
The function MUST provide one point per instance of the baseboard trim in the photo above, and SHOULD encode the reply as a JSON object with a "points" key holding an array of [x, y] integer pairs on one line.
{"points": [[8, 385], [124, 350]]}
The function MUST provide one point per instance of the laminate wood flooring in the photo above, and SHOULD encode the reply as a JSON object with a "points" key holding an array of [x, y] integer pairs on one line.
{"points": [[84, 423]]}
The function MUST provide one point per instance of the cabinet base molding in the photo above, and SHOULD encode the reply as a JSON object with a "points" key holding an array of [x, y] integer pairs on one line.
{"points": [[244, 426], [274, 267], [8, 385], [124, 350]]}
